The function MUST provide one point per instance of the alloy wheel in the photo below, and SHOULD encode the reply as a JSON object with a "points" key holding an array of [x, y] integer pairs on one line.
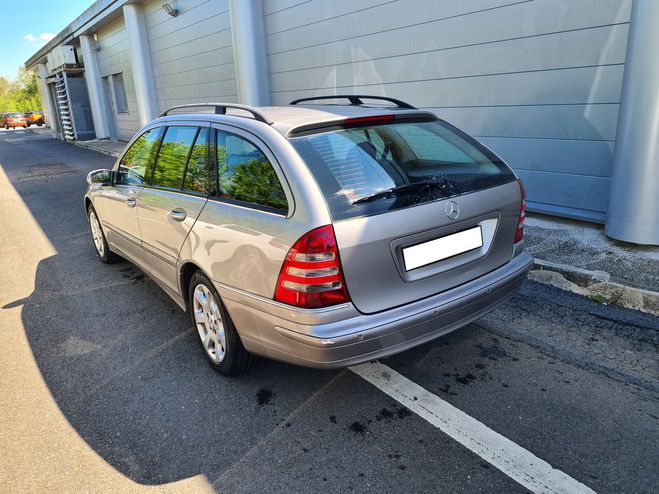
{"points": [[209, 324], [97, 233]]}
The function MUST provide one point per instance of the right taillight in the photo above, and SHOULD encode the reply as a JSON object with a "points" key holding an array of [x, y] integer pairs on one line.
{"points": [[311, 275], [519, 233]]}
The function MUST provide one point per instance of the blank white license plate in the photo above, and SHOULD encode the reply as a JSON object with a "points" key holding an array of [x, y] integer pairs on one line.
{"points": [[442, 248]]}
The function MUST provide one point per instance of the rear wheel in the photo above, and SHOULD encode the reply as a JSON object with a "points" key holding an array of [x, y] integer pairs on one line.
{"points": [[98, 237], [217, 334]]}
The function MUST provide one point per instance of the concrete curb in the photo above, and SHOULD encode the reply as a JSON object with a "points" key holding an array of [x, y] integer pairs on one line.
{"points": [[91, 147], [595, 285]]}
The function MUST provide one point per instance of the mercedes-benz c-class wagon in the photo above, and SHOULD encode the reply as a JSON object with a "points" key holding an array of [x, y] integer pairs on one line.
{"points": [[318, 233]]}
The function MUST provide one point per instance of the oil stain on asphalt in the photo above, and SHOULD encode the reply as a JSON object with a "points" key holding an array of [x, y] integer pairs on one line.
{"points": [[263, 396]]}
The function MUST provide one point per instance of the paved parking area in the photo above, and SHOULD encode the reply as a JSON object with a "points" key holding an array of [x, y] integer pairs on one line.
{"points": [[104, 388]]}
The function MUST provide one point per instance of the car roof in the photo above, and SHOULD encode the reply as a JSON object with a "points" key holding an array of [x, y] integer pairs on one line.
{"points": [[285, 119]]}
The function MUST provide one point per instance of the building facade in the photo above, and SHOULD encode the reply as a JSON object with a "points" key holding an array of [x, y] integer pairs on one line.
{"points": [[547, 84]]}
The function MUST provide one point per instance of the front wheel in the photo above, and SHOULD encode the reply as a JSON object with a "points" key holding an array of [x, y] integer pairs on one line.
{"points": [[217, 334], [98, 237]]}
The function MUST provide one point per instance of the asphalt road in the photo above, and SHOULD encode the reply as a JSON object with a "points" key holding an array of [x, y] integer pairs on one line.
{"points": [[103, 387]]}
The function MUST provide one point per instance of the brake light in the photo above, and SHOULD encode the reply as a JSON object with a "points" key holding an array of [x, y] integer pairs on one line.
{"points": [[519, 233], [373, 119], [311, 275]]}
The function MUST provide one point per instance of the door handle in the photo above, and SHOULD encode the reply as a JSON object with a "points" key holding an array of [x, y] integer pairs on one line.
{"points": [[131, 202], [177, 215]]}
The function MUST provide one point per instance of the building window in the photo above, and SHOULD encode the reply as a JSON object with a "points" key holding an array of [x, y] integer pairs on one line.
{"points": [[119, 93]]}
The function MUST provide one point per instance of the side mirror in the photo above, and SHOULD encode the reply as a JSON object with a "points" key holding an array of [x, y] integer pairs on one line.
{"points": [[98, 178]]}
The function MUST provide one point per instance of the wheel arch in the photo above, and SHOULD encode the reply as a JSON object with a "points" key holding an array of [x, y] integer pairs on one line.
{"points": [[185, 275]]}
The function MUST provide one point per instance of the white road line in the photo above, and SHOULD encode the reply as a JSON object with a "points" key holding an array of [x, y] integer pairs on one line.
{"points": [[513, 460]]}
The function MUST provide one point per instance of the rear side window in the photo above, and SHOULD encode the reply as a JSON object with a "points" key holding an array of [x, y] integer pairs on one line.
{"points": [[137, 160], [245, 173], [173, 156], [369, 170]]}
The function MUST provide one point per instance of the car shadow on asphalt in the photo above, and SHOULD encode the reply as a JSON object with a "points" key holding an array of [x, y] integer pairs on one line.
{"points": [[120, 357]]}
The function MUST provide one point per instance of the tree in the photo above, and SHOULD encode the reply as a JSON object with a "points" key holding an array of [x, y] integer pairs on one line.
{"points": [[22, 94], [5, 86]]}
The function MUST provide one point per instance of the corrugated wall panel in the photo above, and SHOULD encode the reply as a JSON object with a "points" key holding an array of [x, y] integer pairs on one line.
{"points": [[191, 54], [538, 81]]}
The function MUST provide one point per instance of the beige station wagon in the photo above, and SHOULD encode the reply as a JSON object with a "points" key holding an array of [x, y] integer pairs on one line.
{"points": [[319, 234]]}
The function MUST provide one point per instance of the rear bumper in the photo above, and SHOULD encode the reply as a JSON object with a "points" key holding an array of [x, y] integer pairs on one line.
{"points": [[344, 337]]}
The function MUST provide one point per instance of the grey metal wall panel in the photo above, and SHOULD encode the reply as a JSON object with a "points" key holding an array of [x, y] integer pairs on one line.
{"points": [[113, 58], [411, 26], [568, 192], [191, 54], [594, 122], [577, 86], [594, 158], [539, 81], [273, 6], [564, 50]]}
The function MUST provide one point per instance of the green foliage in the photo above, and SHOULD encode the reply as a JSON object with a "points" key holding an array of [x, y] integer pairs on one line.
{"points": [[20, 95], [596, 297]]}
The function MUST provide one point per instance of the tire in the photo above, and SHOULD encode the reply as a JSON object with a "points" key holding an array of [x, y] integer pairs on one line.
{"points": [[98, 238], [6, 127], [216, 332], [39, 124]]}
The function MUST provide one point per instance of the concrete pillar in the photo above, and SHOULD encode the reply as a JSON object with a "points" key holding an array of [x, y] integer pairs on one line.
{"points": [[140, 61], [249, 52], [94, 87], [46, 103], [633, 213]]}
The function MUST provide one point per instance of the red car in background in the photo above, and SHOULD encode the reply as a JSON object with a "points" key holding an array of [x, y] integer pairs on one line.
{"points": [[13, 119]]}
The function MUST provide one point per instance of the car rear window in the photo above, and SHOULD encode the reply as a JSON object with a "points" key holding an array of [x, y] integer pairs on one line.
{"points": [[372, 169]]}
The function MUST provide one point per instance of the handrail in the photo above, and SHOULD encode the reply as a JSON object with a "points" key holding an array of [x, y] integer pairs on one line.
{"points": [[221, 109], [356, 99]]}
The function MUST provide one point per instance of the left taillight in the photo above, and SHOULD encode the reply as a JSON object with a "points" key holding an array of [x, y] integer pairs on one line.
{"points": [[311, 276], [519, 233]]}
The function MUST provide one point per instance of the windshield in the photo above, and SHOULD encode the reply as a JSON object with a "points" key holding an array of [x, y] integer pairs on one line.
{"points": [[369, 170], [14, 115]]}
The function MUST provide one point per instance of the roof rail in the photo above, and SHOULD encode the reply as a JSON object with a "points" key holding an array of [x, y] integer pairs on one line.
{"points": [[221, 109], [356, 99]]}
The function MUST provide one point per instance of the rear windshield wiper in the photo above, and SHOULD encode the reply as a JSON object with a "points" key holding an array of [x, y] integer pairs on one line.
{"points": [[399, 190]]}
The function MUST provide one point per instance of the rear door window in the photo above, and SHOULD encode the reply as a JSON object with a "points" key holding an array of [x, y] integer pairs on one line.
{"points": [[245, 174], [137, 159], [372, 169], [198, 175], [173, 156]]}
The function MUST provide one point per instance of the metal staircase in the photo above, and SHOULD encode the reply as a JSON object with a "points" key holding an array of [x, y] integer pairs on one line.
{"points": [[63, 106]]}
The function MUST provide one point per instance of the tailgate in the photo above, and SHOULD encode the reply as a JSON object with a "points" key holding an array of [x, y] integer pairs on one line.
{"points": [[398, 257]]}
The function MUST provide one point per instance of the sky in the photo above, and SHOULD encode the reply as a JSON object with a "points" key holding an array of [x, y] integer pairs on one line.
{"points": [[28, 24]]}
